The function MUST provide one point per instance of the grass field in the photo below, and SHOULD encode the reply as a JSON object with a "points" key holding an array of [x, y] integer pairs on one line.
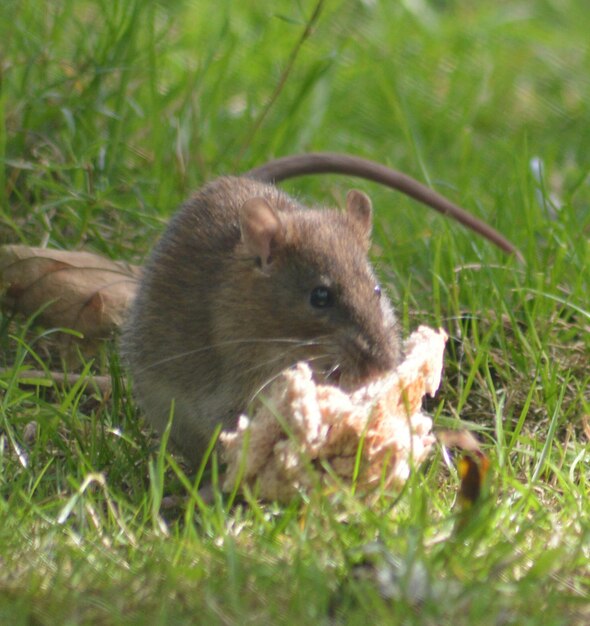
{"points": [[111, 112]]}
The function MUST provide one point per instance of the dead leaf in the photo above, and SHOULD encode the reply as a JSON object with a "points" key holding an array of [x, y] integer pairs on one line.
{"points": [[472, 467], [78, 290]]}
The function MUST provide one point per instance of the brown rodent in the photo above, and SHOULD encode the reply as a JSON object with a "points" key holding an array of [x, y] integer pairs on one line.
{"points": [[244, 283]]}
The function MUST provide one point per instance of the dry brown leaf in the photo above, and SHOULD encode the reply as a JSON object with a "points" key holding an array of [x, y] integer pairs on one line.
{"points": [[78, 290], [473, 466]]}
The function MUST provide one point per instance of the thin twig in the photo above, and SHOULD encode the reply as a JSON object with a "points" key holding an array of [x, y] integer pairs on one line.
{"points": [[282, 80], [29, 377]]}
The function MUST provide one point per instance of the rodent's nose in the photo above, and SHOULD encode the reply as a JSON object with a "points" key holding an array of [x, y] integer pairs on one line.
{"points": [[370, 370], [375, 359]]}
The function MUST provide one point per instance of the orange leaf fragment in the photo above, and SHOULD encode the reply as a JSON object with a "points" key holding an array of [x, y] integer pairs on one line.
{"points": [[472, 466]]}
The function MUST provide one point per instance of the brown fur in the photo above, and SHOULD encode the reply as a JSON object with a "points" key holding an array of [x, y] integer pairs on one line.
{"points": [[213, 322]]}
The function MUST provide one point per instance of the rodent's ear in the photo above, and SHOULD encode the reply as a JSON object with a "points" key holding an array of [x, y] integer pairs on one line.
{"points": [[360, 209], [261, 229]]}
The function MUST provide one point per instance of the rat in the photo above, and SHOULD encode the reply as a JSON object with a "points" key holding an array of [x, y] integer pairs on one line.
{"points": [[245, 282]]}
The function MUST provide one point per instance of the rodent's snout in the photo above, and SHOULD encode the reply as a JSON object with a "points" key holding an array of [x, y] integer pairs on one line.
{"points": [[370, 358], [378, 362]]}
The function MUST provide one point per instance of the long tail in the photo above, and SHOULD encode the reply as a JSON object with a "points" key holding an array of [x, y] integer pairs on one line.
{"points": [[334, 163]]}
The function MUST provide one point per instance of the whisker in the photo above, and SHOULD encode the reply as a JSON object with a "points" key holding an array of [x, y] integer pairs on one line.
{"points": [[282, 356], [275, 376], [299, 342], [333, 369]]}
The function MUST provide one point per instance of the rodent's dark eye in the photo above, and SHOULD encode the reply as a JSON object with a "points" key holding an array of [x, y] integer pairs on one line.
{"points": [[377, 291], [321, 297]]}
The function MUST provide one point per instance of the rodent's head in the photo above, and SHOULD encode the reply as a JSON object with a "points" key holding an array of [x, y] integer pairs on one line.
{"points": [[311, 268]]}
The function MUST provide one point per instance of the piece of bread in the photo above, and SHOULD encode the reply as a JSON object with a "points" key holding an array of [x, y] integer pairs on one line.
{"points": [[301, 426]]}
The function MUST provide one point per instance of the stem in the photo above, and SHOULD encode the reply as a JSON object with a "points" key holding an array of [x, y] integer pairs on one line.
{"points": [[282, 80]]}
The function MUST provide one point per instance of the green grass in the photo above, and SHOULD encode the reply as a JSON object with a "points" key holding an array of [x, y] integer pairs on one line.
{"points": [[112, 112]]}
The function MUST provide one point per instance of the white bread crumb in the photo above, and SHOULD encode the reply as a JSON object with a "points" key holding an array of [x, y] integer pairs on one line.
{"points": [[322, 423]]}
